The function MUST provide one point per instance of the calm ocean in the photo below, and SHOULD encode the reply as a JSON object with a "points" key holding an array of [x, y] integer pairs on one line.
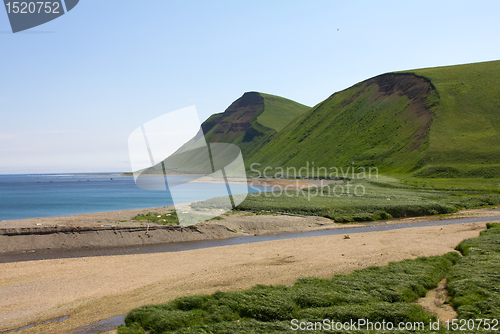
{"points": [[44, 195]]}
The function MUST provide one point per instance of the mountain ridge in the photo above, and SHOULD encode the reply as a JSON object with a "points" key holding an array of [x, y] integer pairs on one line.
{"points": [[347, 117], [251, 121], [436, 122], [432, 122]]}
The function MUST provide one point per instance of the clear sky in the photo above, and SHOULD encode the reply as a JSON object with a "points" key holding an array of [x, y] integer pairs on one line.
{"points": [[73, 89]]}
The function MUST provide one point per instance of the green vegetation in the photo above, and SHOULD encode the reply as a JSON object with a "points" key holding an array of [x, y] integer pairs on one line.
{"points": [[474, 282], [378, 293], [435, 131], [157, 218], [248, 122], [251, 121], [383, 198], [454, 184], [278, 112], [356, 125], [465, 131], [438, 122]]}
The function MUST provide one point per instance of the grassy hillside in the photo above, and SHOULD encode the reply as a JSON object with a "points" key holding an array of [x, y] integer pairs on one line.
{"points": [[380, 122], [251, 121], [278, 112], [442, 122], [464, 139]]}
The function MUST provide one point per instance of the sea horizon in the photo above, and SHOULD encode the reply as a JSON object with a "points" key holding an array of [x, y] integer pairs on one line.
{"points": [[37, 195]]}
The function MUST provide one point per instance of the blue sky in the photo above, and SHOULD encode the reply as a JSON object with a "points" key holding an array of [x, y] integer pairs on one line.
{"points": [[73, 89]]}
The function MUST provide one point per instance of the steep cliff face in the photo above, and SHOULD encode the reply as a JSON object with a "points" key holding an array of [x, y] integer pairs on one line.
{"points": [[436, 122], [383, 122], [236, 121], [251, 121]]}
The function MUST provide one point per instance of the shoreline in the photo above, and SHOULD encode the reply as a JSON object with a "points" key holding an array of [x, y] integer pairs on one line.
{"points": [[117, 229], [172, 247], [42, 289], [107, 216]]}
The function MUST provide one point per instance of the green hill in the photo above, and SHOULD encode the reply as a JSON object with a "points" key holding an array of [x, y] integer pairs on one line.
{"points": [[432, 122], [464, 138], [251, 121]]}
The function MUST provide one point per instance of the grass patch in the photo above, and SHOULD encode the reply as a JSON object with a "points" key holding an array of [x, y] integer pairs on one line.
{"points": [[465, 126], [378, 293], [474, 283], [384, 198], [478, 185], [462, 171], [157, 218], [278, 111]]}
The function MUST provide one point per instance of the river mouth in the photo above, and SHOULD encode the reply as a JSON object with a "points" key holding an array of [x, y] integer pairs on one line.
{"points": [[200, 244]]}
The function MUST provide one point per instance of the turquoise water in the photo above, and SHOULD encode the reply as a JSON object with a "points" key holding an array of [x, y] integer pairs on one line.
{"points": [[44, 195]]}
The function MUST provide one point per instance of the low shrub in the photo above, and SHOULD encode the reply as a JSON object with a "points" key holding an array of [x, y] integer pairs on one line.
{"points": [[169, 218], [371, 293], [474, 283]]}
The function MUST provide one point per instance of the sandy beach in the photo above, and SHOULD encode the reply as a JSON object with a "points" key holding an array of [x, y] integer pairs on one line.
{"points": [[95, 288], [119, 229], [90, 289]]}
